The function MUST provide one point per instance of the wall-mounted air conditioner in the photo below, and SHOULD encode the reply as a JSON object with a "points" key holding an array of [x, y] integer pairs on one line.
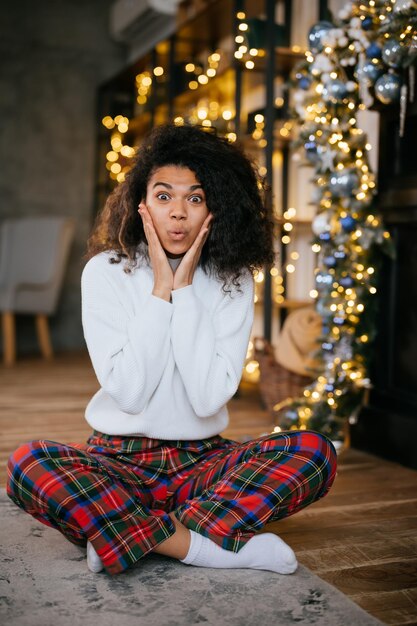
{"points": [[134, 21]]}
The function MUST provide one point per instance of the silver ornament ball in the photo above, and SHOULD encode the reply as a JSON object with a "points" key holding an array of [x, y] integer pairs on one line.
{"points": [[370, 71], [343, 183], [321, 223], [393, 53], [401, 5], [387, 88], [316, 35], [335, 91]]}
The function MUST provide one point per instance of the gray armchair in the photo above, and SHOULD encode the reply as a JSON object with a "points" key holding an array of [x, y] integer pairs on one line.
{"points": [[33, 256]]}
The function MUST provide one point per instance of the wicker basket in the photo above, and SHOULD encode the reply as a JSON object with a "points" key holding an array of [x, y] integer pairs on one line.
{"points": [[276, 384]]}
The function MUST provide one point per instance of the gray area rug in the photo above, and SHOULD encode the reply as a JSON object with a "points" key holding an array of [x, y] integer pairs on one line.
{"points": [[44, 580]]}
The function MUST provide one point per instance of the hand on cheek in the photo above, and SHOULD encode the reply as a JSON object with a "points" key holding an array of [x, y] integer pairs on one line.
{"points": [[185, 271], [163, 276]]}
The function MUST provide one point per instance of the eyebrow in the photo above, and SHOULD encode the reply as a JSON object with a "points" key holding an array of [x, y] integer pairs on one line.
{"points": [[168, 186]]}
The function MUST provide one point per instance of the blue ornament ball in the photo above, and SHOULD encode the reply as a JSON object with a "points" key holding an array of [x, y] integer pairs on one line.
{"points": [[343, 183], [325, 236], [346, 281], [335, 91], [393, 53], [340, 254], [367, 23], [330, 261], [304, 82], [303, 79], [348, 223], [387, 88], [316, 34], [373, 51], [370, 71]]}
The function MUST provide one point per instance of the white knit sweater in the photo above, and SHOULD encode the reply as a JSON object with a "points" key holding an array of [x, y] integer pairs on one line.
{"points": [[166, 370]]}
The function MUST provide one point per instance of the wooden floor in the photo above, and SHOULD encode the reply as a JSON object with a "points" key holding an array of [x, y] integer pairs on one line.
{"points": [[362, 537]]}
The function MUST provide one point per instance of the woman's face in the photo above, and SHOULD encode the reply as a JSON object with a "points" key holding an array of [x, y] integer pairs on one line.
{"points": [[177, 205]]}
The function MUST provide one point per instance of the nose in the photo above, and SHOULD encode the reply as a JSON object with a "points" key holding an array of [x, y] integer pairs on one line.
{"points": [[179, 209]]}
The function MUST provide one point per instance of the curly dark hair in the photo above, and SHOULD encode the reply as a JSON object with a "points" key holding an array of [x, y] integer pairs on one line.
{"points": [[241, 232]]}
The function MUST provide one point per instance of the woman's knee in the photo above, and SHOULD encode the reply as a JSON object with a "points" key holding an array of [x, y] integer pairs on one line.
{"points": [[313, 445], [24, 459], [323, 453], [22, 453]]}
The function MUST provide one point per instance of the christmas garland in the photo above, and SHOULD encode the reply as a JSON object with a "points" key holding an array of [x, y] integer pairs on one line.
{"points": [[364, 58]]}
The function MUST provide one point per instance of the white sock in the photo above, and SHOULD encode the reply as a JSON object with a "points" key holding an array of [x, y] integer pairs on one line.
{"points": [[93, 560], [266, 552]]}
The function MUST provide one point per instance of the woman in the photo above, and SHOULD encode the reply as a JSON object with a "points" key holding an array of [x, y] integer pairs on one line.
{"points": [[167, 304]]}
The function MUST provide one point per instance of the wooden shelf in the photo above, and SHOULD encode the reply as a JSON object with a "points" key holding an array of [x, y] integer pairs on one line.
{"points": [[299, 221], [293, 304], [288, 304]]}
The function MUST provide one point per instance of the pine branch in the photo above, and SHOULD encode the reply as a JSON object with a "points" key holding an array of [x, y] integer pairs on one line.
{"points": [[397, 23]]}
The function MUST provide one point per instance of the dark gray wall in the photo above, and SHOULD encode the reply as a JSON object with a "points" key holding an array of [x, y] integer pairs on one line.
{"points": [[53, 55]]}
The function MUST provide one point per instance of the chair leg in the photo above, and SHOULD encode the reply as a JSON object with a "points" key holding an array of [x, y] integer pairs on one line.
{"points": [[9, 338], [44, 339]]}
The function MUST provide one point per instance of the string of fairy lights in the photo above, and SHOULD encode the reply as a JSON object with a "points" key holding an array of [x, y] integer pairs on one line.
{"points": [[362, 57], [209, 112], [244, 51], [119, 155]]}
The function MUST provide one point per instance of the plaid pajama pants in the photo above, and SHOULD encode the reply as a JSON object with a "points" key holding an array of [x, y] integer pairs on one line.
{"points": [[117, 491]]}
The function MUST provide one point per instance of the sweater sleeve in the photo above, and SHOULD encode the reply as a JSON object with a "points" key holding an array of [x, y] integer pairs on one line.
{"points": [[210, 351], [128, 352]]}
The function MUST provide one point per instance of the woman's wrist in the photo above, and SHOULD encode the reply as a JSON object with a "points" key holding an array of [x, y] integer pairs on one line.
{"points": [[162, 292], [182, 285], [182, 281]]}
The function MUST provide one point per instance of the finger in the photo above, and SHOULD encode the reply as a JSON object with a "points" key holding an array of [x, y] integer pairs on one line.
{"points": [[194, 252], [199, 240], [205, 227], [153, 239], [208, 219], [151, 235], [149, 230], [144, 213], [203, 235], [145, 220], [207, 224], [146, 216], [148, 221], [143, 209]]}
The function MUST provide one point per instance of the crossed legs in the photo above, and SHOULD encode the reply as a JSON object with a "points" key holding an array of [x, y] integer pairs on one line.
{"points": [[226, 499]]}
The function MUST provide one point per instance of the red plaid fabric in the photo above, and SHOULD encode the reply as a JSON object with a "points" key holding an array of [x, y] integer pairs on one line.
{"points": [[117, 491]]}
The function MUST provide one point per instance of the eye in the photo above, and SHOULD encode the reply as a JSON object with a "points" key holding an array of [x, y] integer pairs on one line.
{"points": [[162, 195], [196, 199]]}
